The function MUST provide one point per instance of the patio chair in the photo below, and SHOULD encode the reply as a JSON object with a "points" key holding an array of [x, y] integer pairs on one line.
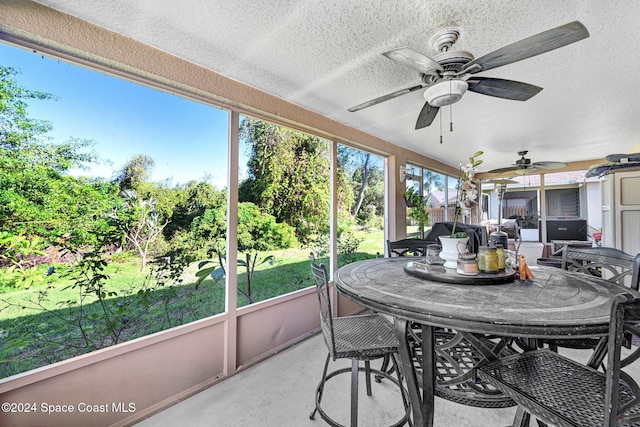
{"points": [[408, 247], [359, 338], [477, 233], [562, 392], [403, 248], [611, 264]]}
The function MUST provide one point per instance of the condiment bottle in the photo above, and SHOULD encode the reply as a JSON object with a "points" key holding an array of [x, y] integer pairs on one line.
{"points": [[467, 264], [488, 259], [502, 262]]}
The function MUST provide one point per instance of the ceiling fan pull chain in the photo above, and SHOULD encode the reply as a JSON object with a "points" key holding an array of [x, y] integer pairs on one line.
{"points": [[450, 110], [450, 118], [440, 128]]}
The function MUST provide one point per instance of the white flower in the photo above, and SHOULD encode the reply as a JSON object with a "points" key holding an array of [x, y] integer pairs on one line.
{"points": [[467, 191], [472, 195]]}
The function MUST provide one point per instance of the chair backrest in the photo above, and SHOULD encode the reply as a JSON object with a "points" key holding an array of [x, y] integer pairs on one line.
{"points": [[321, 279], [477, 233], [609, 263], [408, 247], [625, 315]]}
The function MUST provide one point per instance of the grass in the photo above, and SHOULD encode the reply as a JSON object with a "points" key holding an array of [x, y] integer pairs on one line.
{"points": [[53, 320]]}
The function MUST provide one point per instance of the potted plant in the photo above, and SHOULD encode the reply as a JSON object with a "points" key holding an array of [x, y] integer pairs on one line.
{"points": [[467, 194], [418, 210]]}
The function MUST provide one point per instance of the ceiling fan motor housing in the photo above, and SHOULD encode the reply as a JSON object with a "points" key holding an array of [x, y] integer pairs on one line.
{"points": [[445, 92], [448, 87]]}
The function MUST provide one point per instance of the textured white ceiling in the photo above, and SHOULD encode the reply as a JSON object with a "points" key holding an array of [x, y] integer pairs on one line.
{"points": [[326, 56]]}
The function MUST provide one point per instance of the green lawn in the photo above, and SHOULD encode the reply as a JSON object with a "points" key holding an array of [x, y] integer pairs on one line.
{"points": [[53, 320]]}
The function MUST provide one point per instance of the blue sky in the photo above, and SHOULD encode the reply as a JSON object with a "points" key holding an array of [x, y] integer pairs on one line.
{"points": [[187, 140]]}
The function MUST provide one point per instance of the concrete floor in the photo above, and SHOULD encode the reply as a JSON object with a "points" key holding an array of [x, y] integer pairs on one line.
{"points": [[280, 392]]}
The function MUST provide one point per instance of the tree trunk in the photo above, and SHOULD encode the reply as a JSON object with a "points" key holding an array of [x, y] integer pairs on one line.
{"points": [[365, 182]]}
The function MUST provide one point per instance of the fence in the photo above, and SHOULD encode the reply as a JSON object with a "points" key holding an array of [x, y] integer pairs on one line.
{"points": [[513, 211], [437, 214]]}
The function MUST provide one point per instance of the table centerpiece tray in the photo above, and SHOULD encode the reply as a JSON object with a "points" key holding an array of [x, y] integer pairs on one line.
{"points": [[439, 273]]}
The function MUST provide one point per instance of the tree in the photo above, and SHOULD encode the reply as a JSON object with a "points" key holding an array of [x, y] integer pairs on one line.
{"points": [[363, 185], [366, 180], [192, 200], [135, 172], [139, 222], [24, 138], [432, 181], [36, 197], [17, 129], [288, 176]]}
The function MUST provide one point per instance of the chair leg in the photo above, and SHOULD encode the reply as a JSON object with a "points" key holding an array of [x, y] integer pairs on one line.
{"points": [[354, 392], [521, 418], [405, 397], [598, 354], [355, 370], [367, 371], [386, 367], [320, 388]]}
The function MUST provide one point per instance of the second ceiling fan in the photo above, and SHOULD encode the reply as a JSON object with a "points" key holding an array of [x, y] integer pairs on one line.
{"points": [[450, 74], [524, 166]]}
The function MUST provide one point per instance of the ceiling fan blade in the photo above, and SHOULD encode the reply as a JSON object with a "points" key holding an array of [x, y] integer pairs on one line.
{"points": [[502, 181], [384, 98], [501, 88], [504, 170], [426, 116], [412, 59], [529, 47], [528, 170], [549, 165]]}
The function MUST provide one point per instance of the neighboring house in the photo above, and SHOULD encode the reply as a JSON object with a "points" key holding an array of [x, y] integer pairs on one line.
{"points": [[437, 197]]}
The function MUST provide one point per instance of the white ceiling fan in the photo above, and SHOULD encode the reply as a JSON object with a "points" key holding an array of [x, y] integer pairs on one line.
{"points": [[449, 74]]}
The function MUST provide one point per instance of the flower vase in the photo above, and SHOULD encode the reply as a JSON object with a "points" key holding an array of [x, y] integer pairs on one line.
{"points": [[451, 248]]}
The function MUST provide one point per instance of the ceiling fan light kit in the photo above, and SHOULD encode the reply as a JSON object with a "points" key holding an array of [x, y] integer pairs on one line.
{"points": [[445, 92]]}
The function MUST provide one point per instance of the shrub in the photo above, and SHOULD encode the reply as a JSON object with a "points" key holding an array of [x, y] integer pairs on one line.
{"points": [[256, 229], [17, 254], [260, 231], [348, 242]]}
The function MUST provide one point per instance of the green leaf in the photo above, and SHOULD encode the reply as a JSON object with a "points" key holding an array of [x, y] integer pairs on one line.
{"points": [[205, 272], [203, 263], [217, 273]]}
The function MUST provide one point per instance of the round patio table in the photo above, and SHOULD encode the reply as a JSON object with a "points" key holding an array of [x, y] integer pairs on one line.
{"points": [[554, 304]]}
